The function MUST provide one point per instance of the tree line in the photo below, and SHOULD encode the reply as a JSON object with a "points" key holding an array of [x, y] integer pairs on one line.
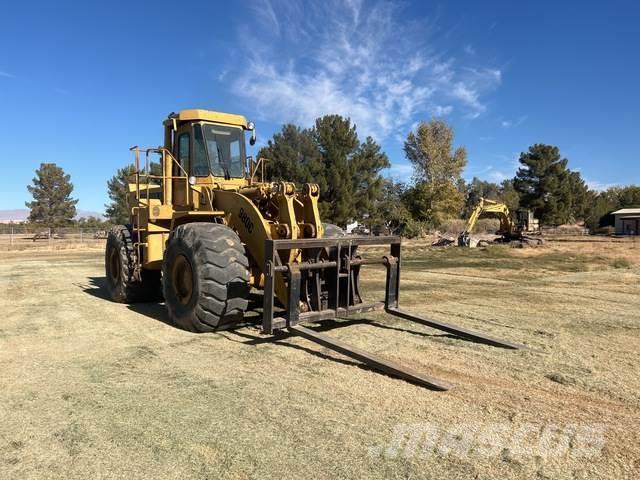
{"points": [[353, 188]]}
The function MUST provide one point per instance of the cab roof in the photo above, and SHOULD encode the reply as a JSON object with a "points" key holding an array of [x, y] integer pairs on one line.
{"points": [[197, 114]]}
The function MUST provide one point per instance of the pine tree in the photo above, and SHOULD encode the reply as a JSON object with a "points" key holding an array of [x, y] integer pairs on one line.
{"points": [[545, 184], [330, 154], [337, 142], [580, 197], [52, 205], [366, 182], [509, 195], [117, 211], [293, 156]]}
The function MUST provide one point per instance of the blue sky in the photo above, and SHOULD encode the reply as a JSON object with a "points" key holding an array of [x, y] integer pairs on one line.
{"points": [[81, 82]]}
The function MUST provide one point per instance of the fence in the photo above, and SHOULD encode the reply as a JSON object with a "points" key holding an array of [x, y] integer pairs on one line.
{"points": [[22, 237], [568, 230]]}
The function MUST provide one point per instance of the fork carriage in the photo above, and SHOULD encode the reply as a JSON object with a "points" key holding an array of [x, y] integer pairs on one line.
{"points": [[327, 286]]}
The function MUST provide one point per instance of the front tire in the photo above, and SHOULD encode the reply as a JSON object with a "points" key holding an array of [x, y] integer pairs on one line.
{"points": [[205, 277]]}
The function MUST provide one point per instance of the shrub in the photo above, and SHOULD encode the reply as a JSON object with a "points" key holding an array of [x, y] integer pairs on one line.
{"points": [[621, 262], [484, 225], [608, 230], [452, 227], [411, 229]]}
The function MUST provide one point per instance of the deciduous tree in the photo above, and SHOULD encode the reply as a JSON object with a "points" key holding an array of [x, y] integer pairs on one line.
{"points": [[435, 197], [601, 204]]}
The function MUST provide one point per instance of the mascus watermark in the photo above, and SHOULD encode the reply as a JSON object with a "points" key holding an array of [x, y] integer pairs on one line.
{"points": [[410, 440]]}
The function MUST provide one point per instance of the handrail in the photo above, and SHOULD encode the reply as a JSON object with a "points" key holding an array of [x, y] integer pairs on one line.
{"points": [[260, 163], [147, 175]]}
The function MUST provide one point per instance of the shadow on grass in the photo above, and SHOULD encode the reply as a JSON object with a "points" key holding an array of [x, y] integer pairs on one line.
{"points": [[97, 287], [281, 340], [328, 325]]}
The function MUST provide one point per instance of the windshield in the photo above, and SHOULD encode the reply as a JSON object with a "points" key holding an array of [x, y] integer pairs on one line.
{"points": [[225, 149]]}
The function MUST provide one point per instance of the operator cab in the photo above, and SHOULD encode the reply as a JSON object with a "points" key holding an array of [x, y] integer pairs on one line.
{"points": [[208, 144], [209, 149]]}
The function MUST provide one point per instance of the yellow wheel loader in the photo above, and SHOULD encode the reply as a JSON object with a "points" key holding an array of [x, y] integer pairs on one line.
{"points": [[205, 230]]}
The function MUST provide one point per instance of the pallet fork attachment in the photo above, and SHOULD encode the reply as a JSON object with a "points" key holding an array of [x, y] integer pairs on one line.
{"points": [[310, 301]]}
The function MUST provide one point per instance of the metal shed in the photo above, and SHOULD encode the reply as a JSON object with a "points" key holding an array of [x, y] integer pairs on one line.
{"points": [[627, 221]]}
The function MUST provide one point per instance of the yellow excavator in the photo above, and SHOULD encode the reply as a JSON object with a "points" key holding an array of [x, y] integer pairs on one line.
{"points": [[513, 228]]}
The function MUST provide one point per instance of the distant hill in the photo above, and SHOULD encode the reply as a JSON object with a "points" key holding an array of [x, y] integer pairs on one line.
{"points": [[21, 214]]}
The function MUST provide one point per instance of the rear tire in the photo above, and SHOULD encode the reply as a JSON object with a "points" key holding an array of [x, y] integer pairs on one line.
{"points": [[206, 277], [120, 260]]}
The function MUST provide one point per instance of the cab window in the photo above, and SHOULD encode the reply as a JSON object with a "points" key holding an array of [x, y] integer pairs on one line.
{"points": [[200, 166], [183, 151], [226, 150]]}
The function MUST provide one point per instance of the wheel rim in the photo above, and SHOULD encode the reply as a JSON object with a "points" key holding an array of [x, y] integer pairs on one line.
{"points": [[182, 279], [114, 265]]}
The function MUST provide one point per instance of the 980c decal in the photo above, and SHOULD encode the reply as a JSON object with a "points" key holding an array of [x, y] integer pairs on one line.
{"points": [[246, 221]]}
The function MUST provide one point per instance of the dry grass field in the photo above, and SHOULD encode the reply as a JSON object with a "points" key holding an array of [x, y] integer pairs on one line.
{"points": [[94, 389]]}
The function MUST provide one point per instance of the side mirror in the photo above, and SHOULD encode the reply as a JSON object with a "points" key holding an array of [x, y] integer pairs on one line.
{"points": [[251, 126]]}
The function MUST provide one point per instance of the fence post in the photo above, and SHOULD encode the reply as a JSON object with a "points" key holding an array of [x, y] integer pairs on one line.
{"points": [[11, 237]]}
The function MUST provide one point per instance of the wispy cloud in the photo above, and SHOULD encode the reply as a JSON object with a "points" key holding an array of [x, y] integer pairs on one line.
{"points": [[599, 186], [400, 172], [514, 123], [502, 167], [7, 75], [265, 14], [498, 176], [359, 61], [472, 171]]}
